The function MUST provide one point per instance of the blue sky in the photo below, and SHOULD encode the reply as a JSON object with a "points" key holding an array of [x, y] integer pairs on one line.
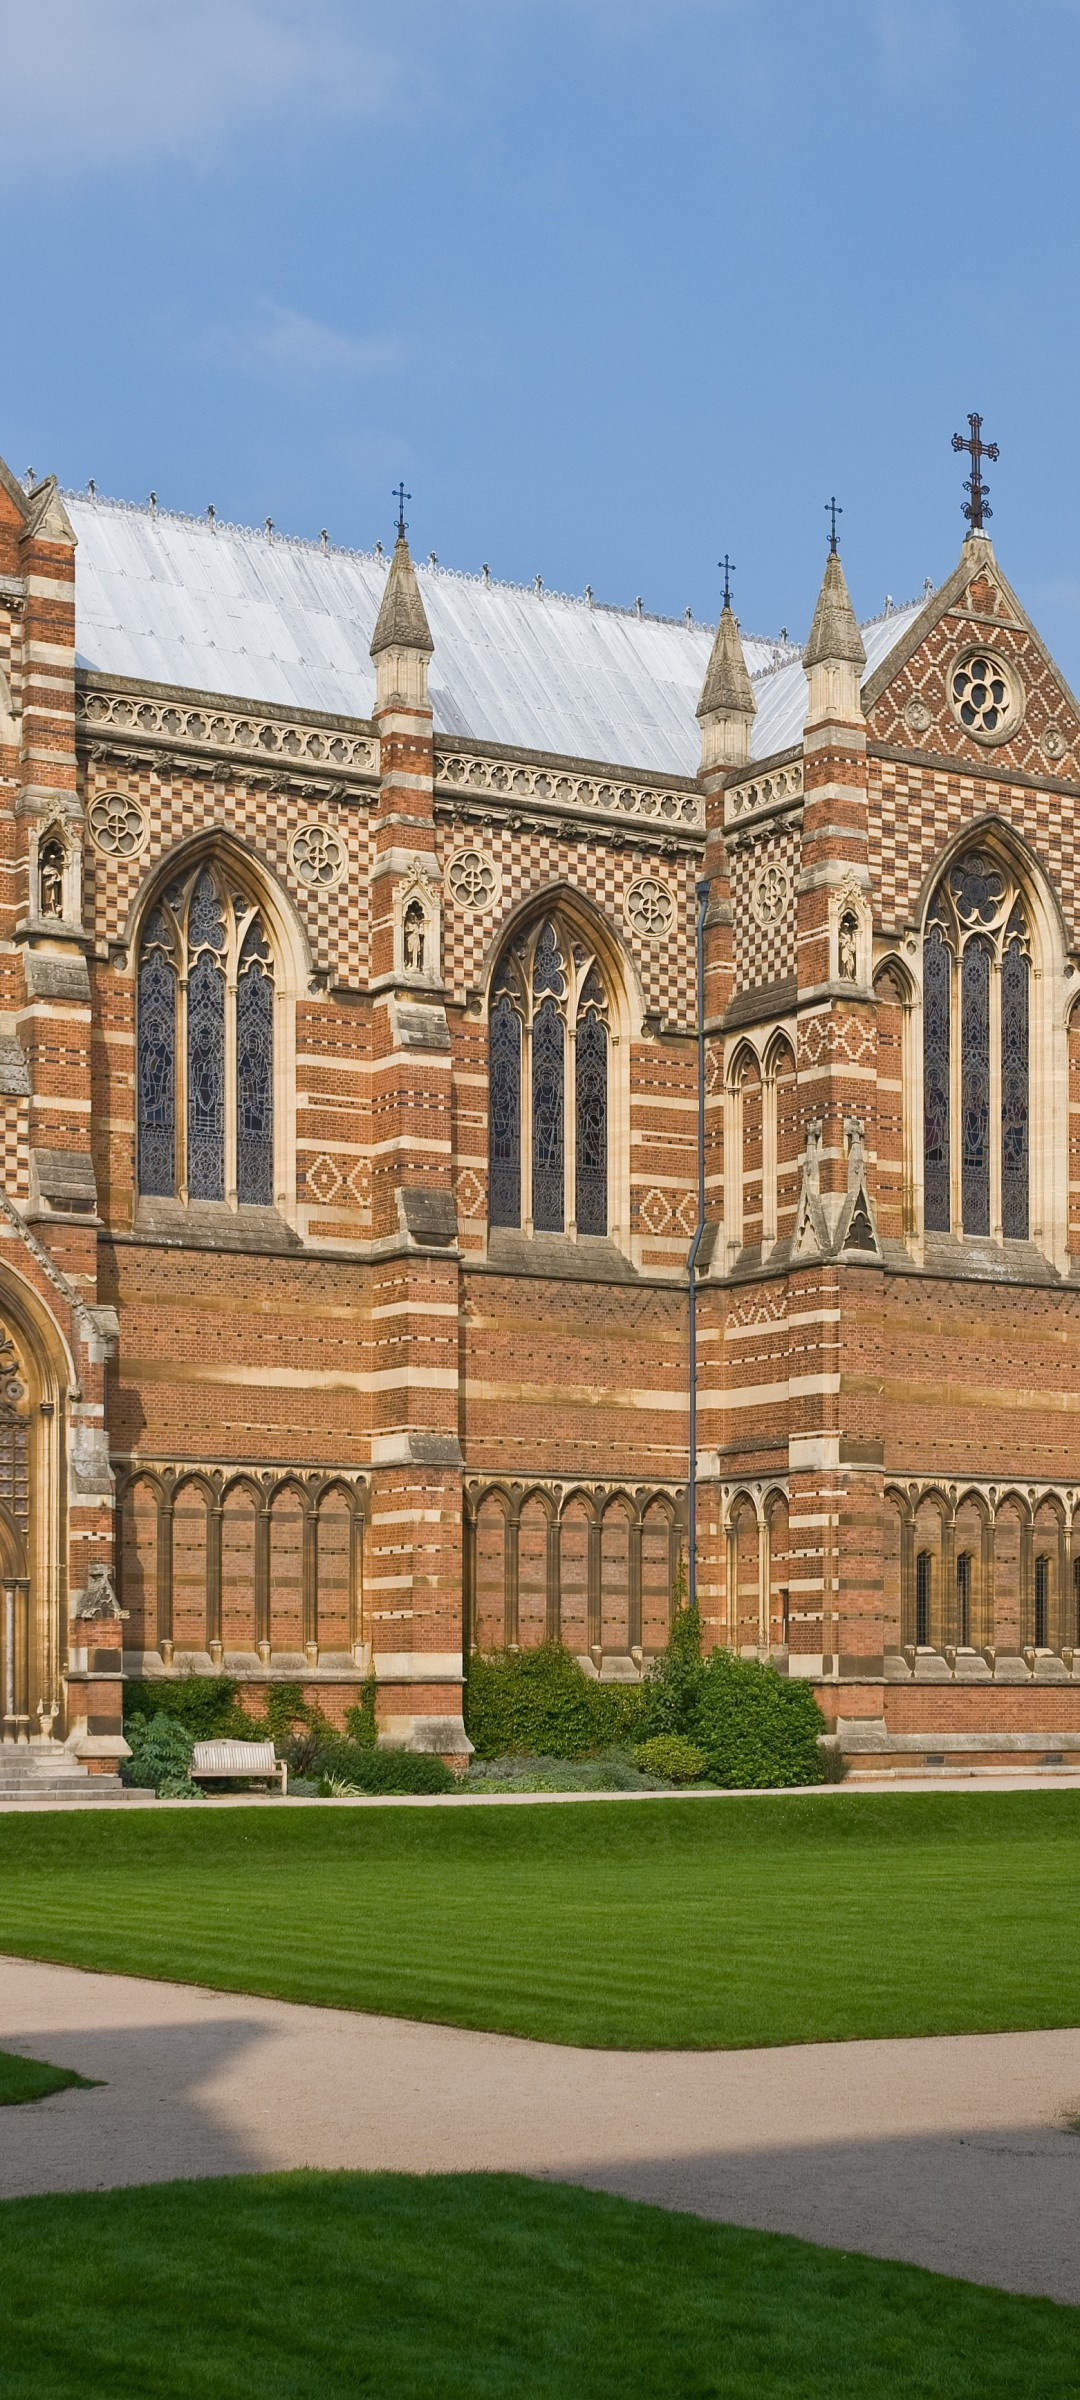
{"points": [[615, 284]]}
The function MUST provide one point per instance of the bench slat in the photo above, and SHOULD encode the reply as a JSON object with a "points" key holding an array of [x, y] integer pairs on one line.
{"points": [[234, 1758]]}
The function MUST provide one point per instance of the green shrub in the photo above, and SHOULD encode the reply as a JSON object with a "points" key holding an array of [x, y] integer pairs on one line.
{"points": [[205, 1705], [756, 1728], [538, 1702], [673, 1685], [355, 1769], [671, 1756], [161, 1749], [608, 1771], [834, 1765]]}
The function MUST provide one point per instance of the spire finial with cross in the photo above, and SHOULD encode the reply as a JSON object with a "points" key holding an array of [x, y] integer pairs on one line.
{"points": [[977, 505], [832, 511], [727, 568], [400, 494]]}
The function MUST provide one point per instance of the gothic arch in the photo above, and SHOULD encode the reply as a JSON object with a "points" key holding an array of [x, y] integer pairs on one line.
{"points": [[564, 899], [560, 1020], [218, 957], [992, 1097]]}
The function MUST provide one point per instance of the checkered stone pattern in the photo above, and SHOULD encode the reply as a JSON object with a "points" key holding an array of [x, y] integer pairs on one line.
{"points": [[530, 862], [915, 811], [925, 679], [335, 916], [763, 954], [11, 652], [15, 1147]]}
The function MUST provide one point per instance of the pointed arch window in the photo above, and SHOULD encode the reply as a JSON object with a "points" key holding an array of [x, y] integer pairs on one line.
{"points": [[548, 1068], [976, 1082], [206, 1045]]}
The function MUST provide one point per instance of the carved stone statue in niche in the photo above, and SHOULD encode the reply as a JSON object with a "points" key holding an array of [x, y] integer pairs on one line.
{"points": [[415, 938], [51, 879], [848, 948]]}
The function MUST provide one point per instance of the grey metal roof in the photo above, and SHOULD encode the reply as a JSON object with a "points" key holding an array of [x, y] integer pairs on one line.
{"points": [[172, 600]]}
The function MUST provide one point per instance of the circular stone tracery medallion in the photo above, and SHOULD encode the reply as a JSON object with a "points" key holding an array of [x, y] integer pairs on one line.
{"points": [[770, 894], [1054, 744], [649, 908], [473, 880], [117, 824], [317, 855], [986, 696], [917, 716]]}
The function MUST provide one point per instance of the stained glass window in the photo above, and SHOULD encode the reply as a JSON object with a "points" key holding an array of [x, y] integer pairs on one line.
{"points": [[206, 1081], [1014, 1093], [206, 936], [591, 1125], [547, 989], [1042, 1602], [548, 1073], [975, 1089], [922, 1599], [937, 981], [157, 1071], [963, 1599], [254, 1072], [504, 1112]]}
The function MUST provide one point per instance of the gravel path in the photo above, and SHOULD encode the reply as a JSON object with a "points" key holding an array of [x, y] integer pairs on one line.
{"points": [[953, 2153]]}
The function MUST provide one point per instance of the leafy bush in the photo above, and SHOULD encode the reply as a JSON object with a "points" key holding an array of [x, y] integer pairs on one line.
{"points": [[673, 1685], [671, 1756], [538, 1703], [205, 1705], [834, 1765], [161, 1751], [355, 1770], [611, 1771], [756, 1728]]}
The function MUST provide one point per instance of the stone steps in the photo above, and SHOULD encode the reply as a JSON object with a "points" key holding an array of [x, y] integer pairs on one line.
{"points": [[51, 1778]]}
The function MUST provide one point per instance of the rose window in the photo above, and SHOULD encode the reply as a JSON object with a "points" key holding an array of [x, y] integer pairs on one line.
{"points": [[985, 696]]}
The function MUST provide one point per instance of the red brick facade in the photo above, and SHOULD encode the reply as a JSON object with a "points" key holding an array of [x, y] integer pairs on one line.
{"points": [[354, 1425]]}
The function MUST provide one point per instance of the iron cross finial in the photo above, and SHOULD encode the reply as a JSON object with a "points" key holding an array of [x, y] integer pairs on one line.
{"points": [[832, 511], [977, 505], [400, 494], [727, 566]]}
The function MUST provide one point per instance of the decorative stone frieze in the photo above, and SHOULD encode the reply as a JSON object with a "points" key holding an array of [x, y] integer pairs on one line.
{"points": [[571, 791], [134, 716], [781, 786]]}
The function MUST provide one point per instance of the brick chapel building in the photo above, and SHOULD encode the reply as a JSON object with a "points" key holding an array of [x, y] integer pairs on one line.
{"points": [[348, 1106]]}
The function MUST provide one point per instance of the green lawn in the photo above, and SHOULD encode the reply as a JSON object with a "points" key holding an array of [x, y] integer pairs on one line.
{"points": [[33, 2079], [476, 2287], [668, 1923]]}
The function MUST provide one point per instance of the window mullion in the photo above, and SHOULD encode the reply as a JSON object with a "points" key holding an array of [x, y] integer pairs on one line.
{"points": [[182, 1081], [526, 1123], [570, 1131], [956, 1086], [230, 1086]]}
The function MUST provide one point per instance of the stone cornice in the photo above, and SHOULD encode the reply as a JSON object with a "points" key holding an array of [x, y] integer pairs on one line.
{"points": [[536, 781], [115, 716]]}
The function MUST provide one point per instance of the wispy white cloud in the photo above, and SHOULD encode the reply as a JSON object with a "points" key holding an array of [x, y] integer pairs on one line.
{"points": [[297, 349], [117, 81]]}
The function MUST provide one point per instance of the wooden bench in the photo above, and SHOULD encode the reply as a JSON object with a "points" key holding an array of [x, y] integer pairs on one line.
{"points": [[228, 1762]]}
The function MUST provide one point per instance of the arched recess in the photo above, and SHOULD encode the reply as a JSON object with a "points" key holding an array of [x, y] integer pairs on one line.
{"points": [[1012, 1550], [746, 1151], [778, 1569], [138, 1560], [782, 1142], [659, 1563], [1046, 1598], [972, 1574], [744, 1569], [36, 1377], [338, 1525], [563, 1004], [897, 1576], [214, 1001], [535, 1520], [290, 1513], [932, 1601], [241, 1503], [896, 1114], [992, 1150], [578, 1532], [192, 1560], [619, 1571], [493, 1530]]}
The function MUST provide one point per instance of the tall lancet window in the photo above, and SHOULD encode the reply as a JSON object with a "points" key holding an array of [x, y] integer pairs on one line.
{"points": [[976, 1099], [206, 1045], [548, 1084]]}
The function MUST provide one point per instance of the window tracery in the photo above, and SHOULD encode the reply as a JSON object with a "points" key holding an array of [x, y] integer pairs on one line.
{"points": [[205, 1045], [976, 1095], [548, 1084]]}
